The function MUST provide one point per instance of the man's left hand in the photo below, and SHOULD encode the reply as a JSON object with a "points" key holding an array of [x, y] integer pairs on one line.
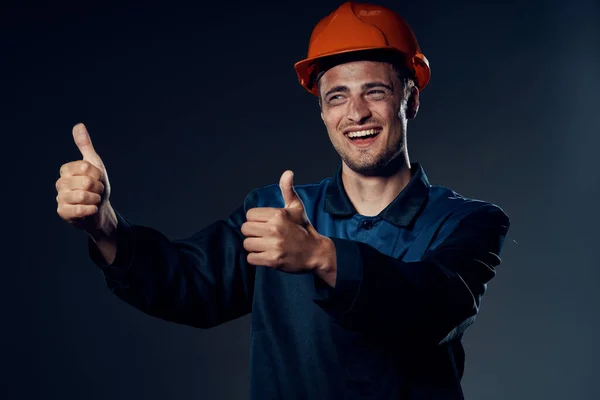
{"points": [[283, 238]]}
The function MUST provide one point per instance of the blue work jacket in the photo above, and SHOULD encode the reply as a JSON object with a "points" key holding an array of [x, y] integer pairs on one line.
{"points": [[409, 282]]}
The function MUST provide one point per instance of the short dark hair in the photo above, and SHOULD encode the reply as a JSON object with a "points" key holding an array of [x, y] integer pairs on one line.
{"points": [[393, 57]]}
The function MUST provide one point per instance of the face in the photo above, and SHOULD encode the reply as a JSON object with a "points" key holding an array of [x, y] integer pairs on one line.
{"points": [[365, 113]]}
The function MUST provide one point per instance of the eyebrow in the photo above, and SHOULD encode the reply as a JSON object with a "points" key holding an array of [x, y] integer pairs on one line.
{"points": [[364, 87]]}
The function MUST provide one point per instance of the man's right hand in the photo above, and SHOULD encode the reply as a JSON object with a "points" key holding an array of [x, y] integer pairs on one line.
{"points": [[84, 190]]}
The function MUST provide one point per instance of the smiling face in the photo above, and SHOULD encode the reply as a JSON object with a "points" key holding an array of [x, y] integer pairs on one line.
{"points": [[364, 109]]}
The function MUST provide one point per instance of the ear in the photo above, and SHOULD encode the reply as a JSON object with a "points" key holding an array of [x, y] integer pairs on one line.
{"points": [[412, 103]]}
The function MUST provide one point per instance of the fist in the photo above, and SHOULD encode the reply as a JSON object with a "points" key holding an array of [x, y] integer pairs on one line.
{"points": [[83, 188], [282, 238]]}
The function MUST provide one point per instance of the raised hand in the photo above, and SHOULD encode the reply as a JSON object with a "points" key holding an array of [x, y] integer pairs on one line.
{"points": [[84, 190], [283, 238]]}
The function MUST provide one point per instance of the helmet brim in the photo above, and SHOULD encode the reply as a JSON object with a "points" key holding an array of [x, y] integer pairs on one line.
{"points": [[308, 69]]}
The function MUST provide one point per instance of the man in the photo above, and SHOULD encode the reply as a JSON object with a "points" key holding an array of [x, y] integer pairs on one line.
{"points": [[360, 286]]}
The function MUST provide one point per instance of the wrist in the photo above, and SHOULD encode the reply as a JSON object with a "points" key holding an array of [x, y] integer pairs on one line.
{"points": [[325, 257], [107, 228]]}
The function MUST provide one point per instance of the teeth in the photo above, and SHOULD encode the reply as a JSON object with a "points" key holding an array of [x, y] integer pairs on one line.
{"points": [[367, 132]]}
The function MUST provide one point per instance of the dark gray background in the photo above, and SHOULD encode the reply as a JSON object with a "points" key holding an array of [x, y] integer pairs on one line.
{"points": [[191, 108]]}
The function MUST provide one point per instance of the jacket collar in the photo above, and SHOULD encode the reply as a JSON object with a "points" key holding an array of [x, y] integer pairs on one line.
{"points": [[401, 211]]}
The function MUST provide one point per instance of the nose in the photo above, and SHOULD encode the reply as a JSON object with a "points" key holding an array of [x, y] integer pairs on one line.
{"points": [[358, 110]]}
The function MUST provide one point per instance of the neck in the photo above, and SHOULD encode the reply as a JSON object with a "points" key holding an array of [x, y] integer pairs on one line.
{"points": [[371, 194]]}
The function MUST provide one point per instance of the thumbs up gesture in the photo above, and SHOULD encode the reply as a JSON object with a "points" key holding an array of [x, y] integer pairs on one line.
{"points": [[283, 238], [84, 190], [293, 204]]}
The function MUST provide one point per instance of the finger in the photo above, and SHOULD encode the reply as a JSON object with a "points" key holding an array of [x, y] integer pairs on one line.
{"points": [[80, 167], [255, 244], [75, 211], [78, 197], [254, 259], [79, 183], [260, 259], [263, 214], [258, 229], [264, 259], [84, 144], [286, 184]]}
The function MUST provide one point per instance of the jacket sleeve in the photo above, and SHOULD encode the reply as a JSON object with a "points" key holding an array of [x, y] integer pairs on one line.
{"points": [[432, 300], [203, 280]]}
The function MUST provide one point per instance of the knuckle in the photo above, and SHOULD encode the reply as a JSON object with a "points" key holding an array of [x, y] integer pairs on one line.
{"points": [[97, 198], [277, 261], [90, 197], [87, 182], [65, 169], [269, 261], [279, 245], [251, 258]]}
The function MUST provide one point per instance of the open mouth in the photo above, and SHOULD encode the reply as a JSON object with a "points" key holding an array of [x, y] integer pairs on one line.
{"points": [[363, 138], [368, 133]]}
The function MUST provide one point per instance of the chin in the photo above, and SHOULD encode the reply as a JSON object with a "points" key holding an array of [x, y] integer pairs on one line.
{"points": [[380, 167], [364, 168]]}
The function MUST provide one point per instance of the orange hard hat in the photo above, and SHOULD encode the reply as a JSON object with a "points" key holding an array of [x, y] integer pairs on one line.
{"points": [[356, 27]]}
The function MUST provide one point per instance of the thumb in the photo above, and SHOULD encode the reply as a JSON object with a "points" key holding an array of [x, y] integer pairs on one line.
{"points": [[84, 144], [286, 184]]}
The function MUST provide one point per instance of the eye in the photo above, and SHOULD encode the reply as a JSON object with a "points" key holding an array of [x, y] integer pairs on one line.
{"points": [[335, 99], [376, 94]]}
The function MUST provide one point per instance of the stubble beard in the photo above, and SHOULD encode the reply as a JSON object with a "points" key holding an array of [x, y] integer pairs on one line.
{"points": [[385, 163]]}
